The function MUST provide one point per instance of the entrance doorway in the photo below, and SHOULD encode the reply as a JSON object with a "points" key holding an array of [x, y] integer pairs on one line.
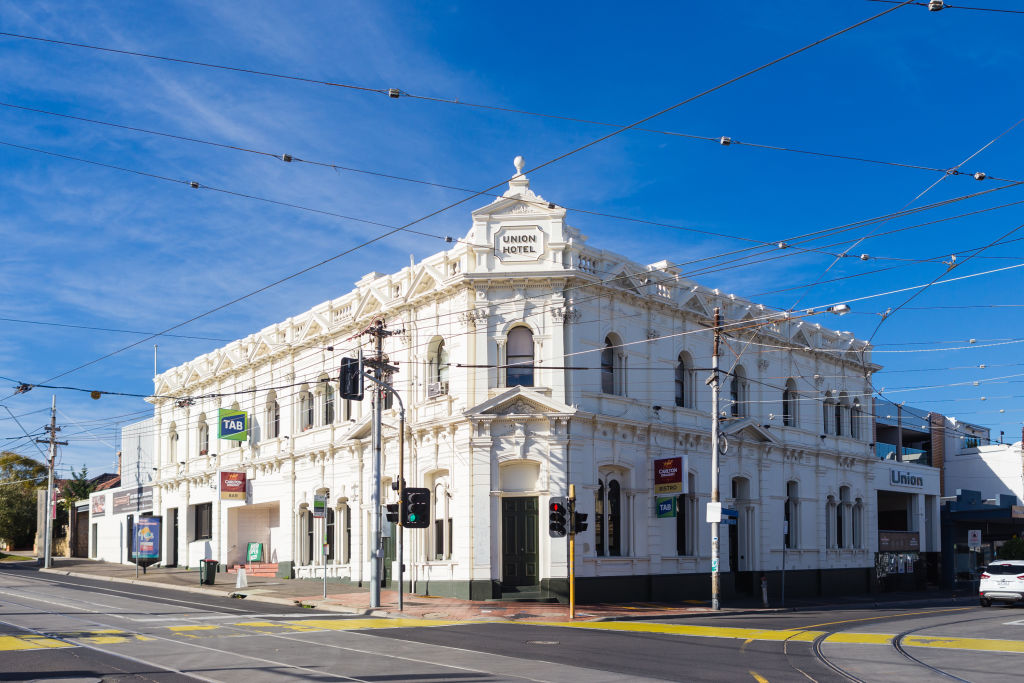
{"points": [[389, 546], [172, 546], [519, 553]]}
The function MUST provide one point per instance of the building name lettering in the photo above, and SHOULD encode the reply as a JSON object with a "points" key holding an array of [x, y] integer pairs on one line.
{"points": [[518, 244], [905, 478]]}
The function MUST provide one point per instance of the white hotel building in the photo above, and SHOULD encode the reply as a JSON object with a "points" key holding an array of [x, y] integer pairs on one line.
{"points": [[614, 357]]}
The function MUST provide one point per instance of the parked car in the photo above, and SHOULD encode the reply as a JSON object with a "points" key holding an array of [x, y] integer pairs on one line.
{"points": [[1003, 581]]}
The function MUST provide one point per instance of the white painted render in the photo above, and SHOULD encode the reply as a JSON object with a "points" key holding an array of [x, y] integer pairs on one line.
{"points": [[479, 441]]}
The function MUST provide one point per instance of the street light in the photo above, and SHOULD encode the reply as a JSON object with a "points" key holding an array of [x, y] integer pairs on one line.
{"points": [[714, 511]]}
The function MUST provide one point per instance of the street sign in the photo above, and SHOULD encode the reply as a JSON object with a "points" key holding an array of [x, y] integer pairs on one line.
{"points": [[232, 425], [974, 539], [666, 507], [319, 505], [714, 512], [730, 516]]}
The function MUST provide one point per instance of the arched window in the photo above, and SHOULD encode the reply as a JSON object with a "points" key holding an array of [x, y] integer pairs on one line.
{"points": [[442, 526], [519, 358], [837, 423], [608, 367], [844, 512], [328, 403], [329, 532], [738, 392], [172, 450], [609, 523], [273, 418], [828, 416], [789, 404], [204, 436], [684, 381], [855, 420], [439, 368], [306, 409], [309, 537], [830, 522], [858, 524], [613, 375], [791, 525]]}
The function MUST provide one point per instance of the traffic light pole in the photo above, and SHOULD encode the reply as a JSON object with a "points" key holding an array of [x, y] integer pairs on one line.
{"points": [[572, 551]]}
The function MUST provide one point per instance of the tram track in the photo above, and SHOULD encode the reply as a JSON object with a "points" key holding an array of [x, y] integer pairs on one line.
{"points": [[897, 645]]}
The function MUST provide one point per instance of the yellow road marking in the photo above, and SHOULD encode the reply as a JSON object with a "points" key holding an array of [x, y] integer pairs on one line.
{"points": [[355, 624], [860, 638], [885, 616], [746, 642], [687, 630], [758, 677], [278, 625], [204, 627], [30, 642], [986, 644]]}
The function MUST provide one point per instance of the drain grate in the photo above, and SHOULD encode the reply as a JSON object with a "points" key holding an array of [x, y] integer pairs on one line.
{"points": [[542, 642]]}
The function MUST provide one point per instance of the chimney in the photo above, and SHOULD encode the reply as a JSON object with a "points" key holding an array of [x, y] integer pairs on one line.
{"points": [[119, 463]]}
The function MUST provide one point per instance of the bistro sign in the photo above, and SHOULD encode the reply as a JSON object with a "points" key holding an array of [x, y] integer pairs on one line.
{"points": [[902, 478], [133, 500]]}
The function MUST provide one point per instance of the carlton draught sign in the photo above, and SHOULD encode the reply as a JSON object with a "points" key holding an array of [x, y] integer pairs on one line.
{"points": [[668, 475], [232, 485]]}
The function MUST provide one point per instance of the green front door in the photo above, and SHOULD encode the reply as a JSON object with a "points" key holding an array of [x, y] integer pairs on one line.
{"points": [[519, 542]]}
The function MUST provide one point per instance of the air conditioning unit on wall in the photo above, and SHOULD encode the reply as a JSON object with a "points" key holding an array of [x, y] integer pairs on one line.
{"points": [[435, 389]]}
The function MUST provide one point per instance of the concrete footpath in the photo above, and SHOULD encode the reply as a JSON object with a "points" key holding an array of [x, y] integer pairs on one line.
{"points": [[352, 599]]}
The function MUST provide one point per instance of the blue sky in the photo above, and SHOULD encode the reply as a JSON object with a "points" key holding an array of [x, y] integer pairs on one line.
{"points": [[93, 246]]}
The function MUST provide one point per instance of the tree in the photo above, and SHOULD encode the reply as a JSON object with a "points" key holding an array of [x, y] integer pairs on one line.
{"points": [[20, 478], [78, 487], [1012, 549]]}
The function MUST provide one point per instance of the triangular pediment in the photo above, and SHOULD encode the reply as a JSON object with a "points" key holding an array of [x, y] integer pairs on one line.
{"points": [[261, 349], [520, 401], [427, 280], [746, 429], [696, 304], [802, 338]]}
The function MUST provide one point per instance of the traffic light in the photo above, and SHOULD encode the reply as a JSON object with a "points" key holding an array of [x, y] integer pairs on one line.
{"points": [[392, 513], [351, 379], [415, 508], [557, 511], [579, 522]]}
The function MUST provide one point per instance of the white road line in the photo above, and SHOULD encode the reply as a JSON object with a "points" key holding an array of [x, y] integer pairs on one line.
{"points": [[138, 596]]}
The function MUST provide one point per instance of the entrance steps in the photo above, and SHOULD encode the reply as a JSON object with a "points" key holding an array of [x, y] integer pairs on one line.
{"points": [[265, 569], [524, 594]]}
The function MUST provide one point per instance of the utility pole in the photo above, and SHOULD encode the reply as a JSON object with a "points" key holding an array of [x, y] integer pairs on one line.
{"points": [[379, 366], [715, 495], [52, 440]]}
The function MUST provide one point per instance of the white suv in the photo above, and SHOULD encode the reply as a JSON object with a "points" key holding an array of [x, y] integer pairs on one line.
{"points": [[1002, 580]]}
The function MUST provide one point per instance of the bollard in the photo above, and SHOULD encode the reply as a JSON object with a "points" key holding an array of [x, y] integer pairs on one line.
{"points": [[764, 591]]}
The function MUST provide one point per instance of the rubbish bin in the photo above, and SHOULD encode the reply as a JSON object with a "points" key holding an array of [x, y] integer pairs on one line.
{"points": [[207, 572]]}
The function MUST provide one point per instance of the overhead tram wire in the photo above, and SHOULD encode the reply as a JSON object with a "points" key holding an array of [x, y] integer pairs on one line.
{"points": [[919, 195], [556, 159], [948, 6], [395, 93], [390, 176], [107, 329]]}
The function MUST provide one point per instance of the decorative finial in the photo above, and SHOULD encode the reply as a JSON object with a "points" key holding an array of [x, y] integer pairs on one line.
{"points": [[518, 163]]}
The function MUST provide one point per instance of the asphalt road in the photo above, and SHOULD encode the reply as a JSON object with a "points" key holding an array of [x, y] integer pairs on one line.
{"points": [[54, 626]]}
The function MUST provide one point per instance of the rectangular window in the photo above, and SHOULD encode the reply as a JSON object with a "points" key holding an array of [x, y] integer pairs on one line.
{"points": [[203, 521]]}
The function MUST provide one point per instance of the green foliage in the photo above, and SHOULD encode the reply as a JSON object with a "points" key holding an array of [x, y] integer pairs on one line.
{"points": [[76, 488], [20, 478], [1012, 549]]}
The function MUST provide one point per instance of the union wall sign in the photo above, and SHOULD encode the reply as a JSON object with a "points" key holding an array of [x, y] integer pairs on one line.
{"points": [[525, 243], [904, 478]]}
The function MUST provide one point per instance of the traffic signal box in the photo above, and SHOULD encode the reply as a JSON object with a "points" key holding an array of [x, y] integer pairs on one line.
{"points": [[579, 522], [351, 379], [415, 509], [392, 513], [557, 517]]}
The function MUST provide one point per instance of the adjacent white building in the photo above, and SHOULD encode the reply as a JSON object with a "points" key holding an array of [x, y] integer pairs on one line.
{"points": [[530, 359]]}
